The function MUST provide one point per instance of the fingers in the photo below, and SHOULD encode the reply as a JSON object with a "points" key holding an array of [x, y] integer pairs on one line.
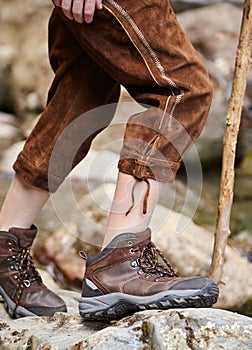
{"points": [[89, 9], [79, 10], [98, 4], [66, 6], [57, 2]]}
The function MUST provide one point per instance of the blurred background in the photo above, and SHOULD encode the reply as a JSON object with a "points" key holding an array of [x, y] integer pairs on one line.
{"points": [[25, 77]]}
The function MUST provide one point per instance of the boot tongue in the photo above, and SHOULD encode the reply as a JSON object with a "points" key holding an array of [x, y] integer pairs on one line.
{"points": [[25, 236]]}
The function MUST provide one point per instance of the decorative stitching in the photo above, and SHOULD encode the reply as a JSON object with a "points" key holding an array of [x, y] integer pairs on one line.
{"points": [[165, 111]]}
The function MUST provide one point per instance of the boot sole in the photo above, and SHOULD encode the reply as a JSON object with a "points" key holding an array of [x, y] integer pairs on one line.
{"points": [[115, 306], [19, 311]]}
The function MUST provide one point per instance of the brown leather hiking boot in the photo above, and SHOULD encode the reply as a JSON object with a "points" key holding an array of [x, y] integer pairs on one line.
{"points": [[20, 283], [127, 276]]}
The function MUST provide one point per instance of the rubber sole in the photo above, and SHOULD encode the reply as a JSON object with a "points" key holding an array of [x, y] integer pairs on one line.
{"points": [[20, 311], [115, 306]]}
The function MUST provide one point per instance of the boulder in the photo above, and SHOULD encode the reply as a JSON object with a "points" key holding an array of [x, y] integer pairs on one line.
{"points": [[8, 156], [214, 31], [9, 130], [183, 5], [7, 55], [28, 73], [158, 330]]}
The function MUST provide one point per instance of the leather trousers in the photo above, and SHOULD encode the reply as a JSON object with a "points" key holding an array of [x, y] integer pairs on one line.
{"points": [[141, 46]]}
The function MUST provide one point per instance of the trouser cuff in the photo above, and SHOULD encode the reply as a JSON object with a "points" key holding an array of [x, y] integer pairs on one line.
{"points": [[163, 171], [35, 176]]}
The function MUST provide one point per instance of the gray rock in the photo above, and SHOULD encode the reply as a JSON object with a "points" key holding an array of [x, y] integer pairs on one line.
{"points": [[28, 74], [158, 330], [182, 5], [8, 155], [214, 31], [9, 131], [7, 55]]}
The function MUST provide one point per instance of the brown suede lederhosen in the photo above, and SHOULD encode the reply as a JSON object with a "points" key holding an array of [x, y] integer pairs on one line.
{"points": [[140, 45]]}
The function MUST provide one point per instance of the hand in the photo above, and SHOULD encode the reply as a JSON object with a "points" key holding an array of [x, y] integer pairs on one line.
{"points": [[79, 10]]}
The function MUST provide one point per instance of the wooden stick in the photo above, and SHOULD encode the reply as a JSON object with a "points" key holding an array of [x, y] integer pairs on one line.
{"points": [[243, 60]]}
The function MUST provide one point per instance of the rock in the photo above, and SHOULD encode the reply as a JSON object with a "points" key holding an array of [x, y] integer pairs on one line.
{"points": [[183, 5], [186, 245], [29, 74], [7, 55], [9, 131], [89, 170], [214, 31], [158, 330], [9, 155]]}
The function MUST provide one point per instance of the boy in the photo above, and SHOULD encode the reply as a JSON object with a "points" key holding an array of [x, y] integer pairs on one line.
{"points": [[94, 48]]}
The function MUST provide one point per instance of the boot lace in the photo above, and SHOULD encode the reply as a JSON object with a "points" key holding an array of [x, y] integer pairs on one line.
{"points": [[149, 261], [26, 271]]}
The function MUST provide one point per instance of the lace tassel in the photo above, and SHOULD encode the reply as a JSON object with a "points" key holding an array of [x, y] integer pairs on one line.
{"points": [[146, 196]]}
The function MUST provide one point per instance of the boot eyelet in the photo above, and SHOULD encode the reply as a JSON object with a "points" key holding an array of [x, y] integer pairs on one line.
{"points": [[8, 259], [27, 283], [15, 277], [12, 267], [132, 251], [134, 263]]}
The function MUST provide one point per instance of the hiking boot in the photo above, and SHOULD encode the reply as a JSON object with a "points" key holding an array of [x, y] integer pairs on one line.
{"points": [[131, 274], [20, 283]]}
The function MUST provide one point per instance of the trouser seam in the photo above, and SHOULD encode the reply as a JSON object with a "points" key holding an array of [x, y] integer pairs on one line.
{"points": [[141, 159]]}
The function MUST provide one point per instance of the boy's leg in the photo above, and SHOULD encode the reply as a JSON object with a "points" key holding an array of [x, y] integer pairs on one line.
{"points": [[22, 204], [126, 213]]}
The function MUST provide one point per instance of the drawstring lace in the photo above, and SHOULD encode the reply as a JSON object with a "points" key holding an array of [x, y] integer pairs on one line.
{"points": [[27, 273], [149, 262], [146, 196]]}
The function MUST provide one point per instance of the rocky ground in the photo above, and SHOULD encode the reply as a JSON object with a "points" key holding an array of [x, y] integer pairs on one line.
{"points": [[178, 329], [183, 222]]}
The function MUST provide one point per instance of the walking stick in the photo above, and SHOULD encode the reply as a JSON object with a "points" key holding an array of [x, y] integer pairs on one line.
{"points": [[243, 60]]}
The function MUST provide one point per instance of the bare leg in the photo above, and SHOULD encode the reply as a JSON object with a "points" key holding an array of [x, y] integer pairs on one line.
{"points": [[136, 220], [22, 204]]}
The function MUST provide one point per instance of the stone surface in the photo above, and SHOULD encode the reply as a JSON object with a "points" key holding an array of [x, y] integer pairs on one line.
{"points": [[9, 130], [214, 31], [29, 74], [183, 5], [157, 330]]}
